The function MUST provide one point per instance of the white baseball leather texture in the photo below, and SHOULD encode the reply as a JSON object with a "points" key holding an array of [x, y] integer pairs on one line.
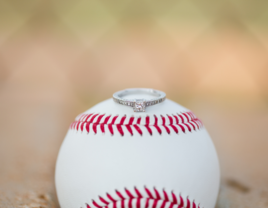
{"points": [[112, 157]]}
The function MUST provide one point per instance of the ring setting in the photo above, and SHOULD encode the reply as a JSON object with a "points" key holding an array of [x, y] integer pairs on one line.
{"points": [[139, 105]]}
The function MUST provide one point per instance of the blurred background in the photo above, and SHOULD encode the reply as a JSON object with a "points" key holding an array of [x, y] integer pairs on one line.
{"points": [[59, 58]]}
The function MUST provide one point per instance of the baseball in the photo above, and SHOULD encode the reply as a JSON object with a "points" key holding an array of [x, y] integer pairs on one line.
{"points": [[113, 157]]}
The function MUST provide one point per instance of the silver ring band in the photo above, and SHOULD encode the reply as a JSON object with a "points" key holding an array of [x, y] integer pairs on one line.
{"points": [[139, 105]]}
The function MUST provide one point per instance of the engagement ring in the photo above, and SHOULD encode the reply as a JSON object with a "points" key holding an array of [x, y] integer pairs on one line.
{"points": [[139, 105]]}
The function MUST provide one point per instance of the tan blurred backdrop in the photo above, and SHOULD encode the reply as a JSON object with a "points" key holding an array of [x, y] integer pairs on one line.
{"points": [[58, 58]]}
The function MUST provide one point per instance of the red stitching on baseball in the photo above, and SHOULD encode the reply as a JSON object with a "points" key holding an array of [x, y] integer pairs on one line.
{"points": [[104, 123], [96, 123], [87, 124], [188, 203], [147, 125], [156, 125], [128, 126], [177, 123], [135, 199], [110, 126], [138, 129], [139, 120], [183, 121], [171, 124], [181, 202], [164, 121]]}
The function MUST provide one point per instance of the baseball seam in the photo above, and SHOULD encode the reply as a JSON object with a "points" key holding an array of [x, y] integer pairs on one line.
{"points": [[145, 199], [170, 123]]}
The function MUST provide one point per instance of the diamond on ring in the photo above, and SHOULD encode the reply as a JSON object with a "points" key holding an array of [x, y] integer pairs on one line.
{"points": [[139, 106]]}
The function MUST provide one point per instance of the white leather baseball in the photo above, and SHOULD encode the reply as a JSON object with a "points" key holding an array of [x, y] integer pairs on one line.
{"points": [[162, 158]]}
